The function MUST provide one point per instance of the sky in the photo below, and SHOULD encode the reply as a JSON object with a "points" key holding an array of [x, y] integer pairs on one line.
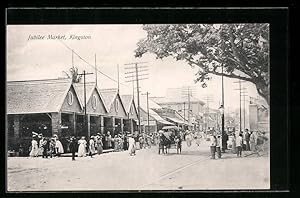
{"points": [[113, 45]]}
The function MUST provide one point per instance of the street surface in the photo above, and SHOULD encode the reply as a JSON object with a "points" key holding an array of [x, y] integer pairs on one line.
{"points": [[191, 170]]}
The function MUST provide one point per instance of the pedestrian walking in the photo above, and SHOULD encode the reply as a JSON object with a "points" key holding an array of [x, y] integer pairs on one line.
{"points": [[213, 147], [45, 146], [73, 147], [178, 144], [252, 141], [247, 139], [40, 142], [34, 147], [188, 138], [233, 144], [52, 147], [224, 142], [131, 142], [109, 140], [198, 138], [91, 147], [59, 149], [141, 141], [82, 147], [218, 146], [125, 144], [99, 144], [239, 145]]}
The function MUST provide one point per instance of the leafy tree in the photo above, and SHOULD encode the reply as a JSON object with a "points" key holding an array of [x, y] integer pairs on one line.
{"points": [[73, 73], [242, 50]]}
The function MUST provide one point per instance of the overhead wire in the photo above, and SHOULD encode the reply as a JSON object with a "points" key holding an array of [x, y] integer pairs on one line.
{"points": [[90, 64]]}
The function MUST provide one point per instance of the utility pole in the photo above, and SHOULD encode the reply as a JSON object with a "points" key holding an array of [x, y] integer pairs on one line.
{"points": [[223, 110], [240, 89], [96, 70], [244, 102], [148, 114], [137, 69], [118, 79], [84, 98], [187, 92], [208, 99], [72, 58]]}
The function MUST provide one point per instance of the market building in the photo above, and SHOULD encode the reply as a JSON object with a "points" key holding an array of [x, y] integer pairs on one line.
{"points": [[95, 109], [113, 121], [43, 106], [130, 124]]}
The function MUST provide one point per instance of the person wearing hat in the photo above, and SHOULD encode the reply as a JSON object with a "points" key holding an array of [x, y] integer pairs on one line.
{"points": [[239, 144], [73, 147], [218, 146], [82, 145], [34, 146], [59, 149], [41, 140], [213, 147], [92, 146], [131, 143], [52, 147], [99, 144]]}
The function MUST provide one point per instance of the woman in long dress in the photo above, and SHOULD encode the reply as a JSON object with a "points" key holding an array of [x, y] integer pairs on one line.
{"points": [[198, 138], [92, 149], [188, 139], [58, 147], [99, 145], [34, 148], [81, 149], [131, 147]]}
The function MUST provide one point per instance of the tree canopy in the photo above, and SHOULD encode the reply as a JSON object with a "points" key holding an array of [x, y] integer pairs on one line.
{"points": [[242, 50]]}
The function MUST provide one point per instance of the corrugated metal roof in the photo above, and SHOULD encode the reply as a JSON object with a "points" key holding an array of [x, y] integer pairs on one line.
{"points": [[127, 101], [80, 90], [108, 96], [36, 96]]}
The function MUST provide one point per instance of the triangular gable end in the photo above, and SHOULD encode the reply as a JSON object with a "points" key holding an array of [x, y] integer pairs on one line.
{"points": [[96, 106], [71, 101], [135, 113], [106, 108], [120, 110]]}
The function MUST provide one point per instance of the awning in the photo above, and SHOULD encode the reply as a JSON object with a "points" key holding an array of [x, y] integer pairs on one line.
{"points": [[175, 120], [165, 122]]}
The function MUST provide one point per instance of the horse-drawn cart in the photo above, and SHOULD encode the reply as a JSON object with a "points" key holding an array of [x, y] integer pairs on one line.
{"points": [[169, 138]]}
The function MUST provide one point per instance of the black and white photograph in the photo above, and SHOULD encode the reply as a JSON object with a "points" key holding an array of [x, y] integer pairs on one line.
{"points": [[134, 107]]}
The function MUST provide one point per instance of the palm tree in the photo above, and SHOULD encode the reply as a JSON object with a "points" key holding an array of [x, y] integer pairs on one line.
{"points": [[73, 73]]}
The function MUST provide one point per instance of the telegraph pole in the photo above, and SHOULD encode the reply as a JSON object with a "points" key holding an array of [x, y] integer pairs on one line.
{"points": [[208, 98], [96, 70], [136, 69], [84, 99], [148, 114], [240, 89]]}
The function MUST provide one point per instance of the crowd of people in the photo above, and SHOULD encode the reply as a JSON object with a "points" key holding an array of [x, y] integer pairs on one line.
{"points": [[52, 147], [245, 141]]}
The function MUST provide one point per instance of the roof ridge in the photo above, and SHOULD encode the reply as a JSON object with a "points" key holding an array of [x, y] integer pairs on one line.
{"points": [[50, 79]]}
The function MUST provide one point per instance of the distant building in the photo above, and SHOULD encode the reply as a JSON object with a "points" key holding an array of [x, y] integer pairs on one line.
{"points": [[191, 110], [259, 115]]}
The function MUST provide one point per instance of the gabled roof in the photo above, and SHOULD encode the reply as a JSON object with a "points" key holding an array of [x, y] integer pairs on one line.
{"points": [[127, 101], [89, 91], [37, 96], [109, 96]]}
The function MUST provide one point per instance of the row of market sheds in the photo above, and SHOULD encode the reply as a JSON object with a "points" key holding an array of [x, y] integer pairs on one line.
{"points": [[56, 106]]}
